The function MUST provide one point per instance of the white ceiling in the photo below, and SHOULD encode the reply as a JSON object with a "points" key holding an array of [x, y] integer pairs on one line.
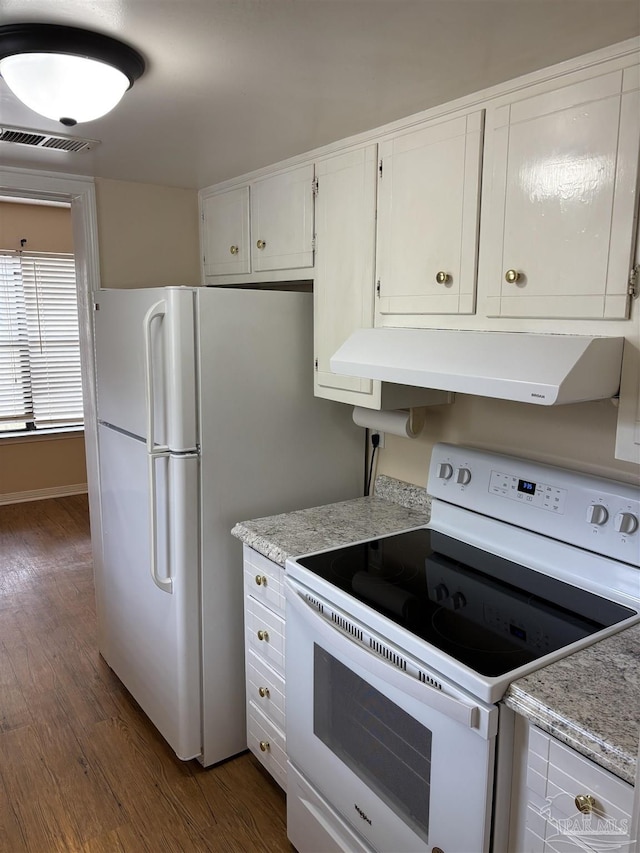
{"points": [[233, 85]]}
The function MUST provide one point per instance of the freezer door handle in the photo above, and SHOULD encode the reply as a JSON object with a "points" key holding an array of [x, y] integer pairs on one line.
{"points": [[165, 584], [157, 310]]}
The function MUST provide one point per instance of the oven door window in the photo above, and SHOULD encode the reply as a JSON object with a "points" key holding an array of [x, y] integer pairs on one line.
{"points": [[385, 747]]}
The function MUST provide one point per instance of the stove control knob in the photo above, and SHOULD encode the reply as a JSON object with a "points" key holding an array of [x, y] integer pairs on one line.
{"points": [[463, 476], [597, 514], [626, 522], [458, 600], [445, 471], [441, 592]]}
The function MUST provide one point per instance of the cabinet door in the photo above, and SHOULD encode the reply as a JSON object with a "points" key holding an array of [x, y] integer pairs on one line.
{"points": [[225, 232], [428, 218], [282, 220], [344, 273], [563, 194]]}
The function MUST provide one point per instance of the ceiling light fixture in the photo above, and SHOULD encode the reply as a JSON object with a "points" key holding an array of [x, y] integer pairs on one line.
{"points": [[64, 73]]}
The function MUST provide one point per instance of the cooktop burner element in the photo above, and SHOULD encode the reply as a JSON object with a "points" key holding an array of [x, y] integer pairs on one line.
{"points": [[486, 612]]}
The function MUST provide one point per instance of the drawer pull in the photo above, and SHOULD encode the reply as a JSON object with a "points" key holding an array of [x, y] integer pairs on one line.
{"points": [[234, 250], [263, 635], [261, 580], [265, 746], [585, 803], [263, 692], [443, 277], [512, 276], [261, 244]]}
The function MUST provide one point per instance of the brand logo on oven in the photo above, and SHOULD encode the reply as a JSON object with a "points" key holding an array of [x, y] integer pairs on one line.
{"points": [[362, 814], [535, 394]]}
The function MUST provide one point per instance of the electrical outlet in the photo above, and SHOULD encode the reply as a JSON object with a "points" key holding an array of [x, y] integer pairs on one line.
{"points": [[380, 439]]}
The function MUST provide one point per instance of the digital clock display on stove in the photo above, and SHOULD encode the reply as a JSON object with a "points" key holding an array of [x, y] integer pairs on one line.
{"points": [[527, 487]]}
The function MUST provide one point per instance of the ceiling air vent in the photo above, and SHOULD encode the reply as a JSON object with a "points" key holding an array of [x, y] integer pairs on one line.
{"points": [[38, 139]]}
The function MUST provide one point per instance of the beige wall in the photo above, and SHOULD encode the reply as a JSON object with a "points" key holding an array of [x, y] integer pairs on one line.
{"points": [[148, 235], [45, 228], [55, 463], [580, 436], [33, 464]]}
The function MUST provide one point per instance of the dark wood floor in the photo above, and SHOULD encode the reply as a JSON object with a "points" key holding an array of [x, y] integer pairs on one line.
{"points": [[81, 768]]}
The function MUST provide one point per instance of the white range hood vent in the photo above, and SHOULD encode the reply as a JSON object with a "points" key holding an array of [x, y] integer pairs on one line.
{"points": [[529, 368]]}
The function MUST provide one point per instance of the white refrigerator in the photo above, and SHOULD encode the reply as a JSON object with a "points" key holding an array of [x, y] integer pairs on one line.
{"points": [[206, 417]]}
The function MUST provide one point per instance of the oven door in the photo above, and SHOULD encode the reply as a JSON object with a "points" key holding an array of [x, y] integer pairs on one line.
{"points": [[396, 752]]}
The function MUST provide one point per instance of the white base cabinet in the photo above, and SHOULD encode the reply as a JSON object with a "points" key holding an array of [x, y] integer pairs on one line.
{"points": [[564, 801], [264, 662]]}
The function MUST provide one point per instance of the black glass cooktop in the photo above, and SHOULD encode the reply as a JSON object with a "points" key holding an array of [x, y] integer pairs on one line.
{"points": [[490, 614]]}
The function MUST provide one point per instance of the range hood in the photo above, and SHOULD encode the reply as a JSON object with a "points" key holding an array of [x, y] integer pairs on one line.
{"points": [[525, 367]]}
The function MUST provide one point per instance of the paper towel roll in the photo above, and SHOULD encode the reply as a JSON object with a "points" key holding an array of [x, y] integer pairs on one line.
{"points": [[407, 423]]}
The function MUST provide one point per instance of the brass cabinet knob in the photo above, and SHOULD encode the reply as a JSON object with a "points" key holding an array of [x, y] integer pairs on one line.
{"points": [[443, 277], [261, 244], [263, 692], [263, 635], [261, 580], [234, 250], [585, 803], [265, 746], [512, 276]]}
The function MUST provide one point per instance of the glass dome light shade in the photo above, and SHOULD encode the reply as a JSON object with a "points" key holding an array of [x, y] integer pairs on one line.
{"points": [[62, 86]]}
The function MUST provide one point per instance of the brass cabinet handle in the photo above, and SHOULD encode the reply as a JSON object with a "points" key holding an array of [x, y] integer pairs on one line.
{"points": [[234, 250], [443, 277], [265, 746], [263, 635], [585, 803], [261, 580], [263, 692], [512, 276], [261, 244]]}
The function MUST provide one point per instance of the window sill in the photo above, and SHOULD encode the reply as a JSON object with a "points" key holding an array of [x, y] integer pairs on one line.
{"points": [[53, 434]]}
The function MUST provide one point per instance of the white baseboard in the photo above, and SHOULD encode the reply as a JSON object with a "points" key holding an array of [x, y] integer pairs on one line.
{"points": [[43, 494]]}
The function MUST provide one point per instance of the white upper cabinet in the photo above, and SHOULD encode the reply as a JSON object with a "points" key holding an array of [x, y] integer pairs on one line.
{"points": [[282, 221], [428, 207], [558, 228], [344, 273], [261, 231], [225, 233], [344, 279]]}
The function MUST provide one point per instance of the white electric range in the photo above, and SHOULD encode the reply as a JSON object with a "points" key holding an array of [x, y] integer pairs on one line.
{"points": [[400, 648]]}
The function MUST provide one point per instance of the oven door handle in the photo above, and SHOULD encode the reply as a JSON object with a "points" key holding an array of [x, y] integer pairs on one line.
{"points": [[455, 709]]}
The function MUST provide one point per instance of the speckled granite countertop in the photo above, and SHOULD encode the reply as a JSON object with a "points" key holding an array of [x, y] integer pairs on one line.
{"points": [[590, 701], [395, 506]]}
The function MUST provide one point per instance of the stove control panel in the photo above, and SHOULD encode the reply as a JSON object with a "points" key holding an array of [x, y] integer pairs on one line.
{"points": [[591, 512], [541, 495]]}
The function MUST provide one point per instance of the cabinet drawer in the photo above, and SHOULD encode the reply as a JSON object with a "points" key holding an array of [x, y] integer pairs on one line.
{"points": [[264, 580], [265, 688], [570, 774], [556, 775], [268, 744], [264, 633]]}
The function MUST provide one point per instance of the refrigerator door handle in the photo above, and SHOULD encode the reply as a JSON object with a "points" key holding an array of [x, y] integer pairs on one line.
{"points": [[157, 310], [165, 584]]}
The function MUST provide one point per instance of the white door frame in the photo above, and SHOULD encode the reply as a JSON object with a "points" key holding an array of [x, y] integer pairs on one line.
{"points": [[80, 193]]}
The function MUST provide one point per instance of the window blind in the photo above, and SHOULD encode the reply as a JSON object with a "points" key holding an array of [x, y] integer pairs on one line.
{"points": [[40, 379]]}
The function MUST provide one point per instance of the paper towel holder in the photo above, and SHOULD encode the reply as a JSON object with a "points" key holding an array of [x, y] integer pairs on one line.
{"points": [[407, 423]]}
